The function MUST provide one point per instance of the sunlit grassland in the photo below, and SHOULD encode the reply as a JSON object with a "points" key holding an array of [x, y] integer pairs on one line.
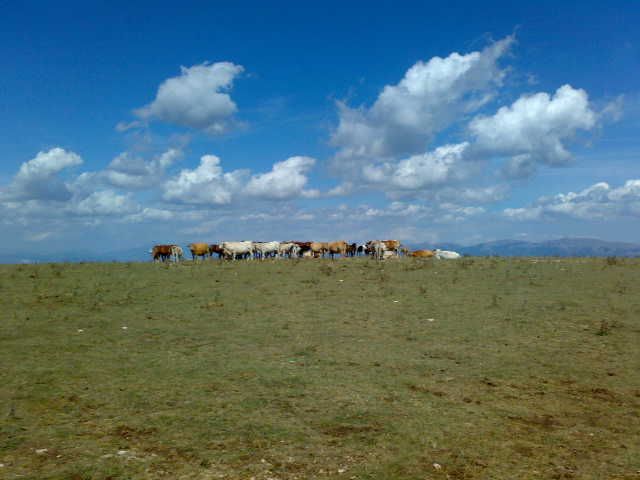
{"points": [[477, 368]]}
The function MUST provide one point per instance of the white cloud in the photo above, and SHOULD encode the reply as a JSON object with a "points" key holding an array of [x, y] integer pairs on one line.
{"points": [[125, 126], [430, 96], [341, 190], [207, 184], [286, 179], [105, 203], [492, 193], [598, 202], [534, 129], [38, 178], [131, 172], [613, 110], [430, 169], [147, 214], [198, 98]]}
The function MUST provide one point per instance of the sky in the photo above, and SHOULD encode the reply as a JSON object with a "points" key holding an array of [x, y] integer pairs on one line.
{"points": [[123, 126]]}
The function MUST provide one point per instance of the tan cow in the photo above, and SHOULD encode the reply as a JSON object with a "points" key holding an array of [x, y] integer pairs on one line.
{"points": [[199, 250], [422, 254], [337, 247], [392, 246], [319, 248]]}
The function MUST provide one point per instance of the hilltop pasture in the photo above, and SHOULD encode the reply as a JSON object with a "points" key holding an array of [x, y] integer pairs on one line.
{"points": [[312, 369]]}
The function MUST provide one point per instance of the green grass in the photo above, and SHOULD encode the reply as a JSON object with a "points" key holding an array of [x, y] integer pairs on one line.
{"points": [[530, 368]]}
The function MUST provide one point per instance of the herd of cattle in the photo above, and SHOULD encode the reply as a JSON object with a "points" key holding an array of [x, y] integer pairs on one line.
{"points": [[378, 249]]}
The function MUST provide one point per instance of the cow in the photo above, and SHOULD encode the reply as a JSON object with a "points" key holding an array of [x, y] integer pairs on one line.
{"points": [[302, 246], [445, 254], [377, 249], [215, 248], [352, 250], [161, 252], [361, 250], [177, 253], [392, 246], [319, 248], [422, 254], [337, 247], [266, 249], [199, 250], [288, 249], [233, 249]]}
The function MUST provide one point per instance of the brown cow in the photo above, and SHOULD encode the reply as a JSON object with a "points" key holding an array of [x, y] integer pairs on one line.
{"points": [[337, 247], [215, 248], [422, 254], [352, 249], [199, 250], [161, 252], [304, 246]]}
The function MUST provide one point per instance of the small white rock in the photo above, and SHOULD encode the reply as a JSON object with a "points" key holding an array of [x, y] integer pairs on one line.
{"points": [[341, 280], [437, 466], [1, 465], [124, 328], [396, 301], [342, 470], [41, 451], [80, 330], [122, 452]]}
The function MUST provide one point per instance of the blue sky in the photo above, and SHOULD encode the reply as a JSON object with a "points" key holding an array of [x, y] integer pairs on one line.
{"points": [[131, 125]]}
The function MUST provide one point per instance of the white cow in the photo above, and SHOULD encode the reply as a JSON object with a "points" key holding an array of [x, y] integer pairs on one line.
{"points": [[232, 249], [445, 254], [377, 249], [264, 249], [288, 249], [177, 253]]}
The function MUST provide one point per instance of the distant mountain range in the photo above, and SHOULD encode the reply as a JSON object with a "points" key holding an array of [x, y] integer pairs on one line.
{"points": [[565, 247]]}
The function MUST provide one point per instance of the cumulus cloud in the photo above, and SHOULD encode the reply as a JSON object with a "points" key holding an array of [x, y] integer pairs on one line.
{"points": [[132, 172], [534, 129], [38, 178], [286, 179], [598, 202], [209, 184], [206, 184], [441, 166], [430, 96], [105, 203], [197, 98]]}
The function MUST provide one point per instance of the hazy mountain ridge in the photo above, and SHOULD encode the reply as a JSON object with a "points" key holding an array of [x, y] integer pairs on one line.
{"points": [[564, 247]]}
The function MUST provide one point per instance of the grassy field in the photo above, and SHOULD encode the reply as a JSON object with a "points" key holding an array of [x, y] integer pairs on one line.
{"points": [[477, 368]]}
